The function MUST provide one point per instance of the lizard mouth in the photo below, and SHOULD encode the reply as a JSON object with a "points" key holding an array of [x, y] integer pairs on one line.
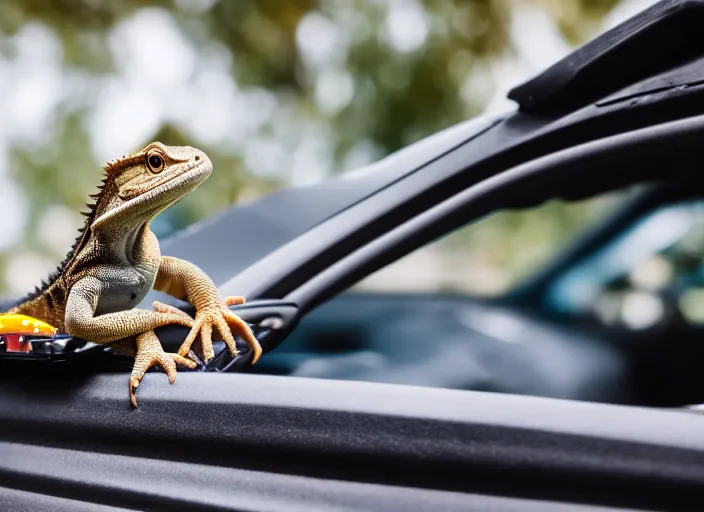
{"points": [[161, 193]]}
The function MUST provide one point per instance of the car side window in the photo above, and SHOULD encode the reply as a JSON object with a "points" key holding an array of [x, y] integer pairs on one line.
{"points": [[652, 273], [488, 257]]}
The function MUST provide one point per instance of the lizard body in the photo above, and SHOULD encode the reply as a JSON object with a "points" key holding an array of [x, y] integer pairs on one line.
{"points": [[116, 260]]}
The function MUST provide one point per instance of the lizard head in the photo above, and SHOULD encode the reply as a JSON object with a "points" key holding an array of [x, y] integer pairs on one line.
{"points": [[140, 186]]}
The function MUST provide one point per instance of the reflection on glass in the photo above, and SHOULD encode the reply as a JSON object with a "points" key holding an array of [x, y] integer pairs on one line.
{"points": [[651, 270]]}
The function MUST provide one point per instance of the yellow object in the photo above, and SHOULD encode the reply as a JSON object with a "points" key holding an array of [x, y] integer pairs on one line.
{"points": [[12, 323]]}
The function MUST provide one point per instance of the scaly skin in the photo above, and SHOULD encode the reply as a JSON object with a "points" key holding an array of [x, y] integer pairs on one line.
{"points": [[116, 260]]}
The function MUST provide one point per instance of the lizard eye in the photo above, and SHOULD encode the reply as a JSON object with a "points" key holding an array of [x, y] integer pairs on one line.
{"points": [[155, 162]]}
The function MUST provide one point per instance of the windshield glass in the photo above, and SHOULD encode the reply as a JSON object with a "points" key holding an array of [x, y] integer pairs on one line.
{"points": [[489, 257], [418, 320]]}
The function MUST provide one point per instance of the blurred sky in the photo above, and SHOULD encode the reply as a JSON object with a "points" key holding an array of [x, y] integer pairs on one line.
{"points": [[162, 76]]}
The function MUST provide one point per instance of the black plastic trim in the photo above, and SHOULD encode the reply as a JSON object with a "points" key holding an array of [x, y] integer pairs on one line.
{"points": [[457, 441], [661, 37]]}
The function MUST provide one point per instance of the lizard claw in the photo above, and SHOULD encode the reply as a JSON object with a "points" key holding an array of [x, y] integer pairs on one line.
{"points": [[150, 353], [225, 321]]}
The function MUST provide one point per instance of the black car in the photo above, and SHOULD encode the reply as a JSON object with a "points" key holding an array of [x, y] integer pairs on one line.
{"points": [[615, 316], [414, 402]]}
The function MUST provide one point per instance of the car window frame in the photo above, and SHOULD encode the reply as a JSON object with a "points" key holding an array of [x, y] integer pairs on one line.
{"points": [[644, 149]]}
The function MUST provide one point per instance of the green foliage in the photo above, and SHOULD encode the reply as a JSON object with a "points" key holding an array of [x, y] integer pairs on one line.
{"points": [[363, 92]]}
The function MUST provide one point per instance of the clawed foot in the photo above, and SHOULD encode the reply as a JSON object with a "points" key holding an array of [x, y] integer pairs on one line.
{"points": [[225, 321], [150, 353], [220, 317]]}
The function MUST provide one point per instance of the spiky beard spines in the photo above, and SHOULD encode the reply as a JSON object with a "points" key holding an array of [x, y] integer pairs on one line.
{"points": [[77, 244], [111, 170]]}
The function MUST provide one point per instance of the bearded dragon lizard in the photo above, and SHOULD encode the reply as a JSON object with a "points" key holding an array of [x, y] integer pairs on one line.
{"points": [[116, 260]]}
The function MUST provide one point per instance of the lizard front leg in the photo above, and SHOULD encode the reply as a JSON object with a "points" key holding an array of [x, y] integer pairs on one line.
{"points": [[146, 351], [184, 280], [81, 321], [120, 328]]}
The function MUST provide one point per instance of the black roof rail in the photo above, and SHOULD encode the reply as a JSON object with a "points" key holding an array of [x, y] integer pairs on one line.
{"points": [[661, 37]]}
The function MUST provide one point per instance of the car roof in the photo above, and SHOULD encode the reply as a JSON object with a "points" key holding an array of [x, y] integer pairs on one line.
{"points": [[666, 35]]}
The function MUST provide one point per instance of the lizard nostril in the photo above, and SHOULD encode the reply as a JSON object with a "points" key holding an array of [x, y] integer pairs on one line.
{"points": [[197, 158]]}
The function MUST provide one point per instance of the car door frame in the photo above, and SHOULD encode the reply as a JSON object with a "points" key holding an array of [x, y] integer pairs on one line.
{"points": [[642, 152]]}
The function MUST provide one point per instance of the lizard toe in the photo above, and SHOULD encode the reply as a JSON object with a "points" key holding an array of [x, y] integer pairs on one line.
{"points": [[243, 330], [227, 336], [134, 384], [160, 307], [234, 300], [183, 361], [217, 316], [206, 319], [150, 353]]}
